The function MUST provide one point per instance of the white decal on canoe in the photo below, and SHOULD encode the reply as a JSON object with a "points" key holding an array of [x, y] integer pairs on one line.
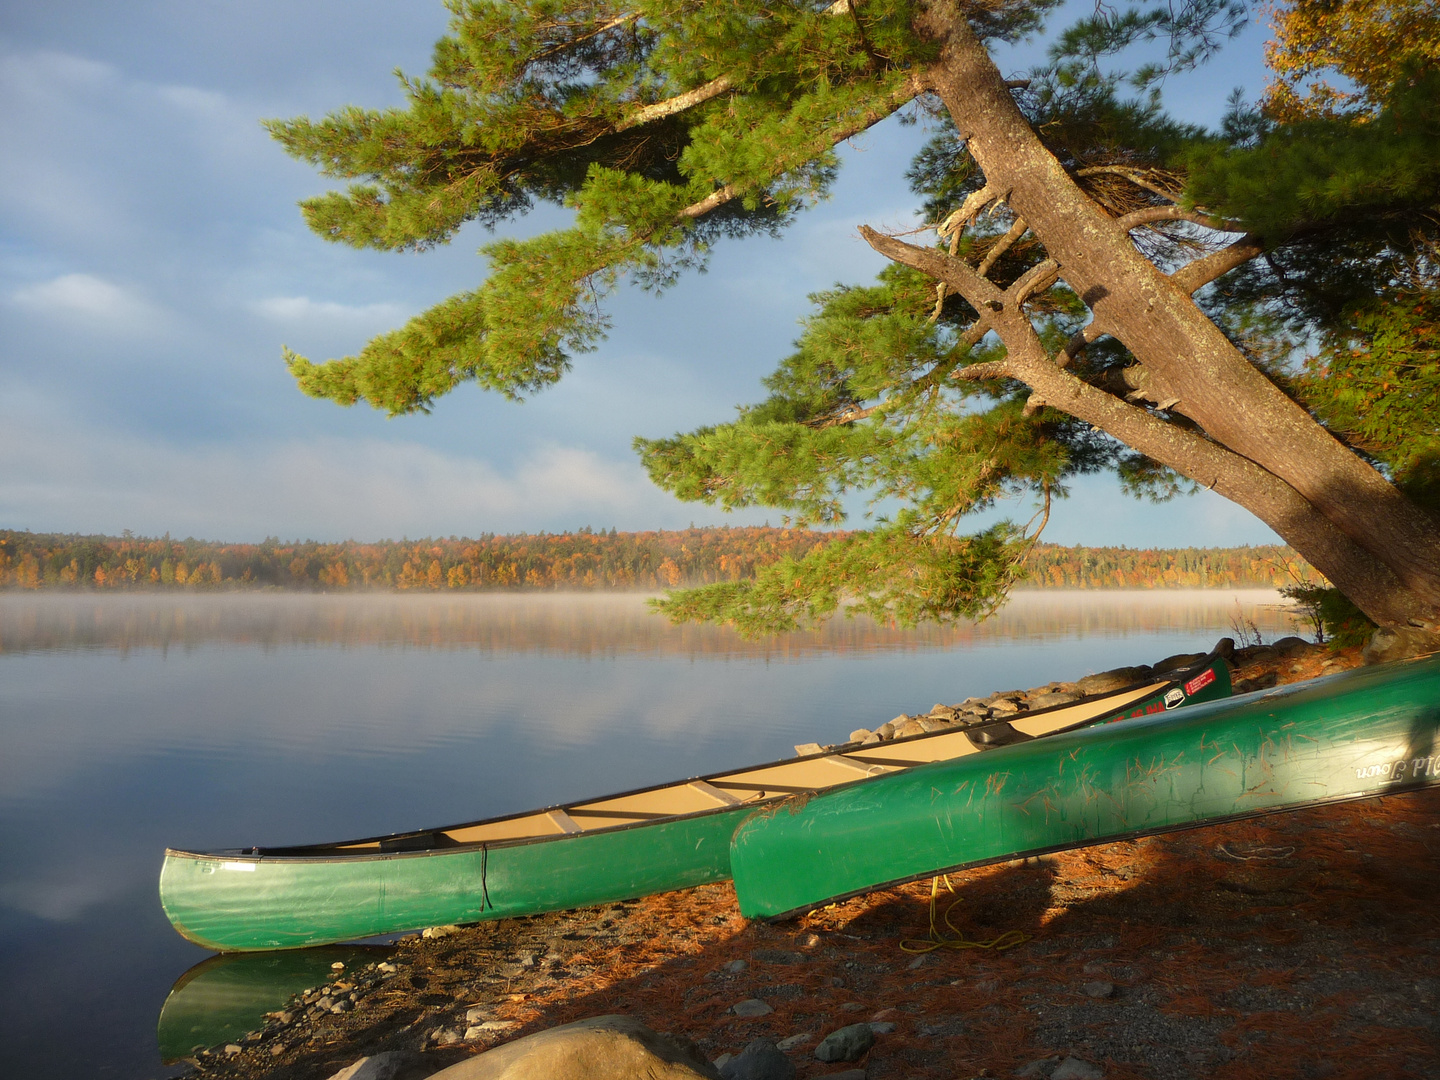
{"points": [[247, 867]]}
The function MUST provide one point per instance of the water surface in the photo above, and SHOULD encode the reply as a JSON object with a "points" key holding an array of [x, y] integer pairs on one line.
{"points": [[135, 722]]}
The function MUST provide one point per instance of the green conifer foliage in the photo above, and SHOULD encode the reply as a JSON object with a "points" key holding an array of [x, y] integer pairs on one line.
{"points": [[1026, 346]]}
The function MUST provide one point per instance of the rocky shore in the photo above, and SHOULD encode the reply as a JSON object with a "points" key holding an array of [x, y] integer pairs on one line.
{"points": [[1299, 945]]}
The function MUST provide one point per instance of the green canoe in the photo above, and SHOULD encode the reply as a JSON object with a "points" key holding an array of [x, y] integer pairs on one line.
{"points": [[1363, 733], [576, 855]]}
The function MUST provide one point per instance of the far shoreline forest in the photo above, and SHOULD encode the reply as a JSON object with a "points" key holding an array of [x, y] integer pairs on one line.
{"points": [[583, 560]]}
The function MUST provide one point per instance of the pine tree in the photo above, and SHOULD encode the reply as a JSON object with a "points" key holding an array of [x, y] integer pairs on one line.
{"points": [[1109, 288]]}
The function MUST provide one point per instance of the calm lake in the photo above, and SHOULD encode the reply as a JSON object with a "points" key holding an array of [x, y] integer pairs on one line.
{"points": [[135, 722]]}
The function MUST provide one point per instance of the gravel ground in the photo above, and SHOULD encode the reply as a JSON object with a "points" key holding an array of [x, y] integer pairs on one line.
{"points": [[1298, 945]]}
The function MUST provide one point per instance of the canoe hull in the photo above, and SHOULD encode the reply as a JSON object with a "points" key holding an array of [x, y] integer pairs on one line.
{"points": [[1363, 733], [298, 897], [238, 903]]}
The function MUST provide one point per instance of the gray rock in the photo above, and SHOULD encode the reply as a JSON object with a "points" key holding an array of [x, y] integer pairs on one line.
{"points": [[1073, 1068], [601, 1048], [1051, 699], [1115, 679], [1042, 1068], [474, 1016], [384, 1066], [778, 956], [736, 966], [1098, 989], [847, 1044], [720, 1061], [1391, 643], [760, 1060], [751, 1007], [882, 1027], [790, 1042], [1176, 662]]}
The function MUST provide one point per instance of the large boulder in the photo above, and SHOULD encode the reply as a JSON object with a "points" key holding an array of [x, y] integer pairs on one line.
{"points": [[391, 1065], [600, 1048], [1391, 643]]}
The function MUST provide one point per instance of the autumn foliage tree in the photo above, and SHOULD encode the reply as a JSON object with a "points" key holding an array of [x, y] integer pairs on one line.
{"points": [[1107, 287]]}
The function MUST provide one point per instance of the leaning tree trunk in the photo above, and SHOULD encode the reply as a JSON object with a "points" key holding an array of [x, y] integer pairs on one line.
{"points": [[1356, 519]]}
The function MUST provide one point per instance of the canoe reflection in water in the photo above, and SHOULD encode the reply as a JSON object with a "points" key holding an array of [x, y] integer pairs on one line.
{"points": [[220, 999]]}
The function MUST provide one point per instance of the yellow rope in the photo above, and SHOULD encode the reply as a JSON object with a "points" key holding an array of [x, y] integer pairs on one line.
{"points": [[1008, 940]]}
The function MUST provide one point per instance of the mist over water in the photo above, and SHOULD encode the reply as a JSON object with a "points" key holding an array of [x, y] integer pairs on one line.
{"points": [[135, 722]]}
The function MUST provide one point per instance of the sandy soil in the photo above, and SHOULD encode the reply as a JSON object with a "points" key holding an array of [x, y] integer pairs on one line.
{"points": [[1298, 945]]}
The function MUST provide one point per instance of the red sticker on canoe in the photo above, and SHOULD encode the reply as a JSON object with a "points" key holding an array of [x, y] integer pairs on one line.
{"points": [[1199, 682]]}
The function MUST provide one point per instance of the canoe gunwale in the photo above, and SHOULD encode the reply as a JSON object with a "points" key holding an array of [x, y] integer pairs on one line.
{"points": [[334, 853]]}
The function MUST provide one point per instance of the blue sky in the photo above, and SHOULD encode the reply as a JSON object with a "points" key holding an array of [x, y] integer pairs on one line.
{"points": [[153, 262]]}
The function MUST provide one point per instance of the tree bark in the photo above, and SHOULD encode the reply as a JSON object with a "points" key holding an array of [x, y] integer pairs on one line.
{"points": [[1369, 584], [1156, 319]]}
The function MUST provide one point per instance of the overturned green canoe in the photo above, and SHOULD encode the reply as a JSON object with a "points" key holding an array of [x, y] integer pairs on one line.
{"points": [[580, 854], [1362, 733]]}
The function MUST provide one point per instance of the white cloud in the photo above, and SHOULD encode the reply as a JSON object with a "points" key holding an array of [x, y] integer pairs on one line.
{"points": [[90, 299], [67, 476], [301, 309]]}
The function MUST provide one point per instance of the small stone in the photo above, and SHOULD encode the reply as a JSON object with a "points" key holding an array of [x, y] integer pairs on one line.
{"points": [[1052, 699], [943, 712], [723, 1060], [886, 729], [934, 723], [527, 961], [1115, 679], [809, 941], [751, 1007], [852, 1006], [1073, 1068], [341, 1006], [475, 1015], [447, 1037], [917, 963], [848, 1044], [326, 1003], [384, 1066], [805, 749], [760, 1060], [473, 1032], [871, 739], [908, 728], [438, 931], [386, 968], [736, 966], [231, 1049], [790, 1042], [1003, 707], [1098, 989], [337, 966], [1042, 1068], [498, 1025], [860, 734], [882, 1027]]}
